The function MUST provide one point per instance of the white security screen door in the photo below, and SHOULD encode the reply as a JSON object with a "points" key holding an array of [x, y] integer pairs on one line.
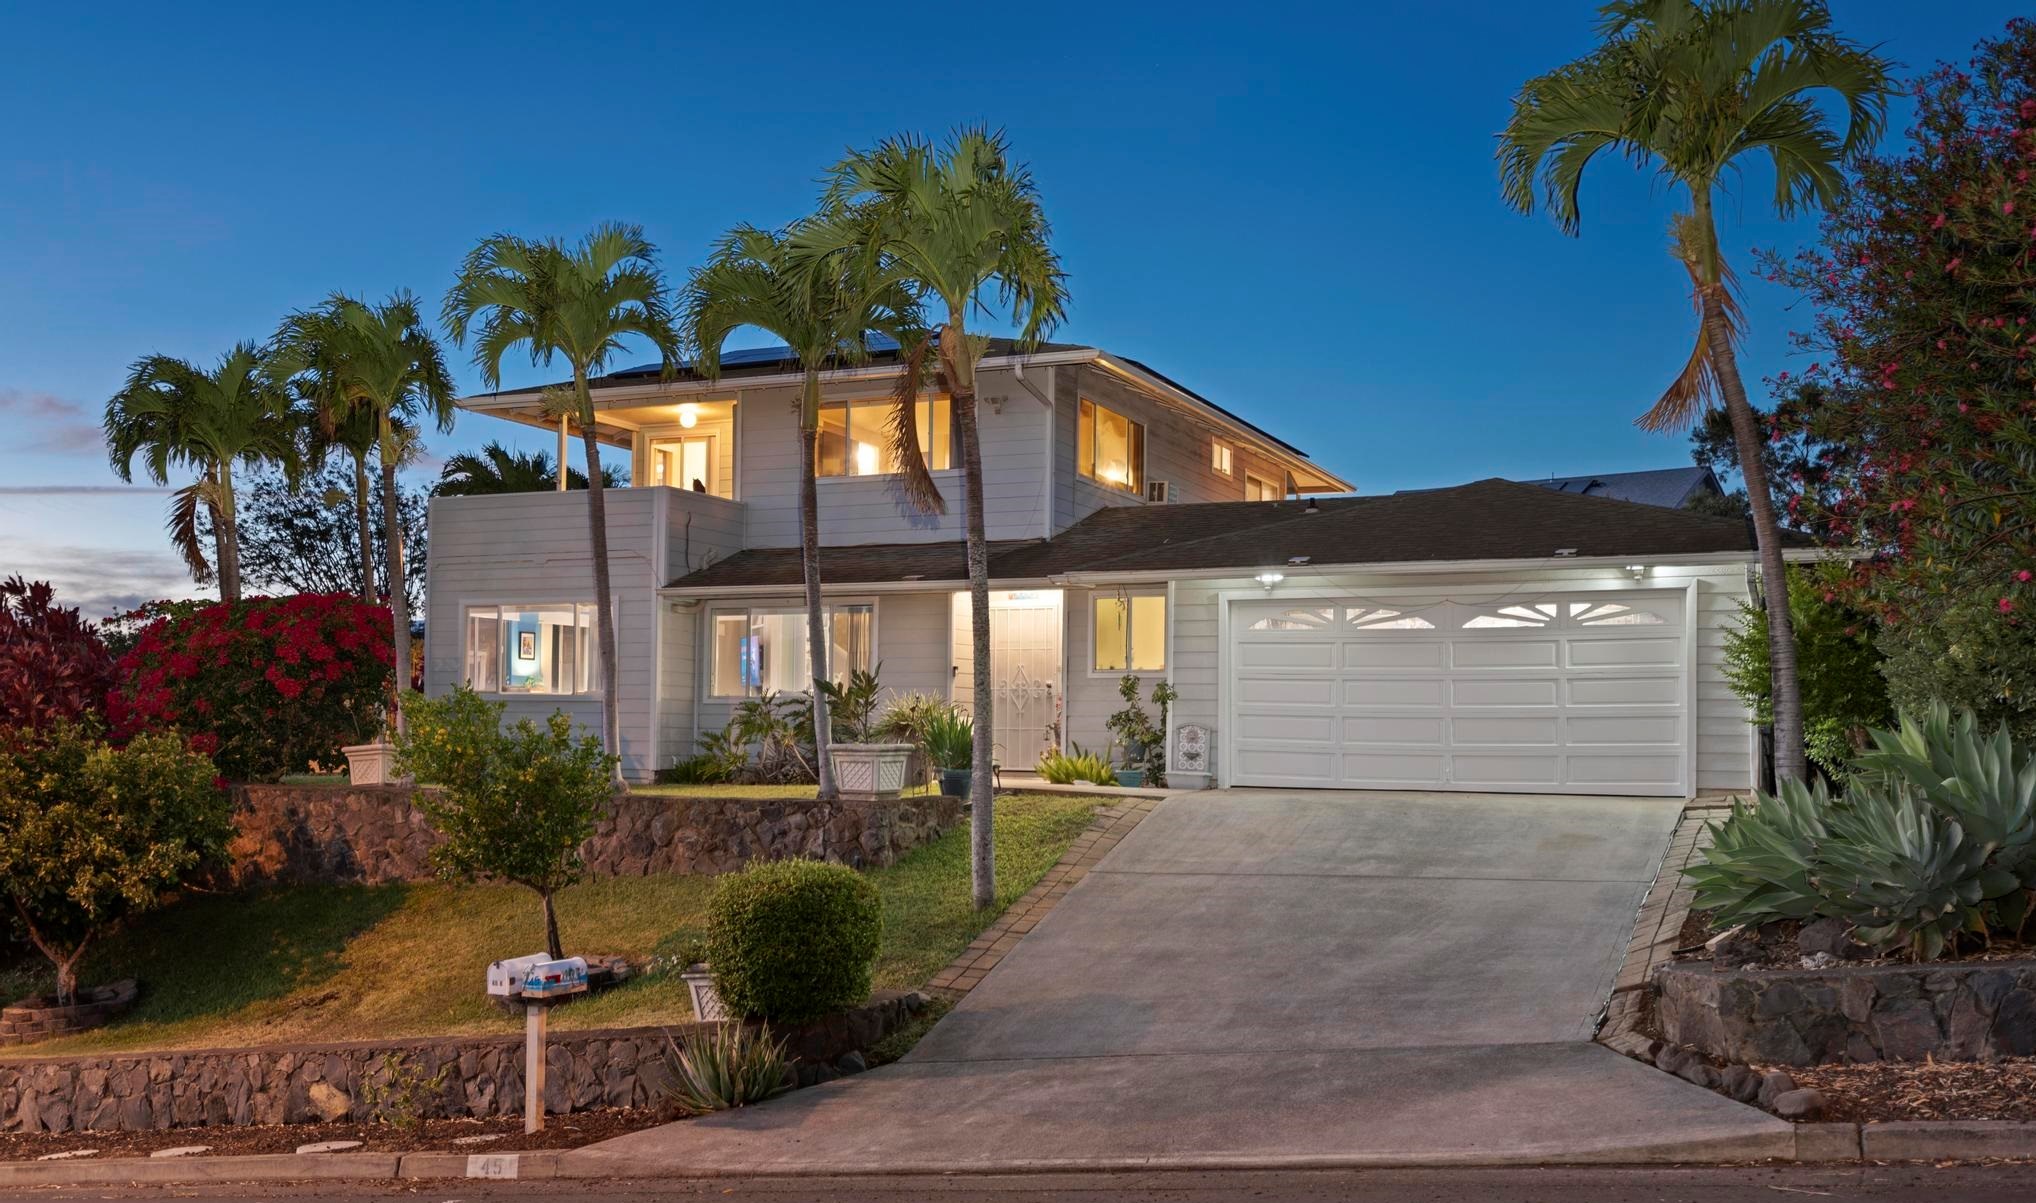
{"points": [[1025, 635], [1580, 692]]}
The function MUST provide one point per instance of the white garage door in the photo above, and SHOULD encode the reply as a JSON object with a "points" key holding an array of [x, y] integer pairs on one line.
{"points": [[1550, 693]]}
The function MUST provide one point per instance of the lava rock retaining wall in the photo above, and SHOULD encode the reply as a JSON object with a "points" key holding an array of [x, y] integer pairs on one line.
{"points": [[1951, 1012], [373, 834], [310, 1083]]}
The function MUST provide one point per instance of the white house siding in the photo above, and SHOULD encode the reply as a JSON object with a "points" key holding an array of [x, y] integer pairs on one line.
{"points": [[1091, 698], [1722, 756], [871, 509]]}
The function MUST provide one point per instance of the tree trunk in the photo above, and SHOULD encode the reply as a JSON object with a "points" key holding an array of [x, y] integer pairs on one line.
{"points": [[399, 597], [1790, 763], [961, 375], [363, 526], [228, 537], [552, 943], [604, 606], [809, 558], [66, 963]]}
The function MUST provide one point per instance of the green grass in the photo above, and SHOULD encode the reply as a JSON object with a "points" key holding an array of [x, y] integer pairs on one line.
{"points": [[318, 963]]}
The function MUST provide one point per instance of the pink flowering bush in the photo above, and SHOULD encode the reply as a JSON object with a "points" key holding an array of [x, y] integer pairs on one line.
{"points": [[265, 686]]}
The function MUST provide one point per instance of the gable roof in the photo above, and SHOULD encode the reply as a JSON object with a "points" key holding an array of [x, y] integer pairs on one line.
{"points": [[1671, 487], [1484, 521]]}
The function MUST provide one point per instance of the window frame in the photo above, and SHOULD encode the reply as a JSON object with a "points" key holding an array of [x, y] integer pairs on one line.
{"points": [[466, 610], [750, 608], [1222, 457], [1278, 493], [713, 440], [1166, 619], [851, 404], [1088, 418]]}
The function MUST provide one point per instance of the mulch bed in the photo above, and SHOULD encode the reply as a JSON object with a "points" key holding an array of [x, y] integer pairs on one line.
{"points": [[560, 1132], [1898, 1090]]}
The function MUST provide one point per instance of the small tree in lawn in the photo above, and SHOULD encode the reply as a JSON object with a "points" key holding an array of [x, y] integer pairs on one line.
{"points": [[514, 802], [91, 834]]}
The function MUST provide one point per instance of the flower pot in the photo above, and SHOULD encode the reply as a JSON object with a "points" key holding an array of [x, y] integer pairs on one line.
{"points": [[1131, 778], [372, 764], [955, 783], [869, 772], [706, 999]]}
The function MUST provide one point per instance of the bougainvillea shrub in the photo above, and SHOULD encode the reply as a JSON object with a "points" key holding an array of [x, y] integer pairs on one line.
{"points": [[265, 686], [54, 667], [1923, 396]]}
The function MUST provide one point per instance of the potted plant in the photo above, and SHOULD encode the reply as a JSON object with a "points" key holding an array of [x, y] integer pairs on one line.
{"points": [[699, 979], [950, 745], [864, 771], [1143, 740]]}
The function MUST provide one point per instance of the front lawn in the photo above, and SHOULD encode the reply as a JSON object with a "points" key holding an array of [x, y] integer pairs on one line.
{"points": [[321, 963]]}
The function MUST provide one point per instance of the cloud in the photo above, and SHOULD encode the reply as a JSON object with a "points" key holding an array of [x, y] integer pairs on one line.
{"points": [[100, 581], [54, 424], [69, 490]]}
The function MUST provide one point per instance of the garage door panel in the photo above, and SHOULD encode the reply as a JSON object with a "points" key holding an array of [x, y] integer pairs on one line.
{"points": [[1392, 729], [1472, 692], [1506, 653], [1625, 653], [1399, 692], [1578, 691]]}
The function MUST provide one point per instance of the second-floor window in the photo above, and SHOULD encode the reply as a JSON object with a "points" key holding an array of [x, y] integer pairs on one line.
{"points": [[684, 463], [855, 440], [1258, 488], [1110, 448], [1221, 457]]}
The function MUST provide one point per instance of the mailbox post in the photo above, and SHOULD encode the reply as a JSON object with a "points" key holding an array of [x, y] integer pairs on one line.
{"points": [[539, 981]]}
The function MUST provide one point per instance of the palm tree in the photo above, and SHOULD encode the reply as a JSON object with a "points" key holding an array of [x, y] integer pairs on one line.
{"points": [[497, 469], [1691, 86], [825, 319], [339, 428], [579, 303], [174, 414], [964, 230], [378, 364]]}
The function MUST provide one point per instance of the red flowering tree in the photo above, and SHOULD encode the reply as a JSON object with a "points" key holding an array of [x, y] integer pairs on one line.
{"points": [[1924, 397], [53, 664], [265, 686]]}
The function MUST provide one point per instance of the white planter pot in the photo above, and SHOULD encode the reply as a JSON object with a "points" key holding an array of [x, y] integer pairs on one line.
{"points": [[870, 772], [706, 999], [372, 764]]}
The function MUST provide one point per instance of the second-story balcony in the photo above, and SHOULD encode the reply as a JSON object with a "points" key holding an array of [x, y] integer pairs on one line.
{"points": [[684, 443]]}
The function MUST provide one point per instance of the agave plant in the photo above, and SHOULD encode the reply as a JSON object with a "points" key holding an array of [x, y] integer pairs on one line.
{"points": [[1762, 860], [714, 1069], [1908, 875]]}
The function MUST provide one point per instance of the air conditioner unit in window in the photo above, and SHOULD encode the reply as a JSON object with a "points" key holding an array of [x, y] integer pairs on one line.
{"points": [[1158, 490]]}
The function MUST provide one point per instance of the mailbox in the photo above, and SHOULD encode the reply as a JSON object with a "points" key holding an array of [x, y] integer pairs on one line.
{"points": [[554, 979], [505, 978]]}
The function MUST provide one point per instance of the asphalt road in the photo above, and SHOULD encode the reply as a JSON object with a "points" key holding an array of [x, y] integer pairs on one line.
{"points": [[1962, 1183]]}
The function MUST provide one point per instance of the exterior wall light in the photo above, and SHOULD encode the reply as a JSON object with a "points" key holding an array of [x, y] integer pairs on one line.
{"points": [[1269, 579], [1639, 571]]}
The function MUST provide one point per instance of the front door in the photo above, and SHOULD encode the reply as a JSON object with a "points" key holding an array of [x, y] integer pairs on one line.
{"points": [[1025, 633]]}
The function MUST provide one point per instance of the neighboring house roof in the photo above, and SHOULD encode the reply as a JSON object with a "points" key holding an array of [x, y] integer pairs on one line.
{"points": [[1671, 487], [1484, 521]]}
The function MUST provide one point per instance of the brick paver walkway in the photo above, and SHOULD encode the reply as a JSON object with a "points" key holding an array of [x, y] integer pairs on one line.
{"points": [[1656, 930], [1110, 825]]}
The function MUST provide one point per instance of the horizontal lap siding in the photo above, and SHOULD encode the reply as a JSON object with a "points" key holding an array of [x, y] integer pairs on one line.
{"points": [[1722, 754], [525, 548], [1092, 698]]}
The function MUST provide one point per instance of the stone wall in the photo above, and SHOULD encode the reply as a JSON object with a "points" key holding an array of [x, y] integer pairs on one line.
{"points": [[313, 833], [483, 1076], [1950, 1012]]}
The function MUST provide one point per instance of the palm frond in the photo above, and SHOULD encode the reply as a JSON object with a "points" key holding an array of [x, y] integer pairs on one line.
{"points": [[184, 527], [1696, 388]]}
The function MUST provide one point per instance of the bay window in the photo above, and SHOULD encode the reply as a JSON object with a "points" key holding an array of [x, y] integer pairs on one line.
{"points": [[534, 649], [855, 439], [1110, 448], [1130, 633], [762, 649]]}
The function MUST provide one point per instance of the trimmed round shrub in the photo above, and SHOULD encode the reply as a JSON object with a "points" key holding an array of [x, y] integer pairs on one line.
{"points": [[792, 940]]}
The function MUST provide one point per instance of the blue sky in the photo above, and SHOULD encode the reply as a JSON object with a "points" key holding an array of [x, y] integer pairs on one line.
{"points": [[1294, 211]]}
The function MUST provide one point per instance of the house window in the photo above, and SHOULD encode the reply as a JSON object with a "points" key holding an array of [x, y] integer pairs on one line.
{"points": [[1130, 633], [854, 439], [763, 650], [1220, 457], [538, 649], [1258, 488], [686, 463], [1110, 448]]}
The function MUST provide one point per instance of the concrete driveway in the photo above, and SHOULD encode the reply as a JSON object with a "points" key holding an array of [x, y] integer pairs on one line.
{"points": [[1281, 978]]}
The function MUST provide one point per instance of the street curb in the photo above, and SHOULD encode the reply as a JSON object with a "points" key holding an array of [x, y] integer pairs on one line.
{"points": [[1936, 1140], [256, 1167]]}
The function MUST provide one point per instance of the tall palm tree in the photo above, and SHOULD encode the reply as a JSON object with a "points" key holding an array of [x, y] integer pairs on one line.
{"points": [[379, 364], [963, 228], [337, 428], [497, 469], [173, 414], [825, 318], [1692, 86], [579, 302]]}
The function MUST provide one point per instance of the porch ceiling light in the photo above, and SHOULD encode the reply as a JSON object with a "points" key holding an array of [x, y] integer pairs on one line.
{"points": [[1269, 579], [689, 415]]}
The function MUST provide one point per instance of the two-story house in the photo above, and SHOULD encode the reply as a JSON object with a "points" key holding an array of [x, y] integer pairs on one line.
{"points": [[1494, 636]]}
